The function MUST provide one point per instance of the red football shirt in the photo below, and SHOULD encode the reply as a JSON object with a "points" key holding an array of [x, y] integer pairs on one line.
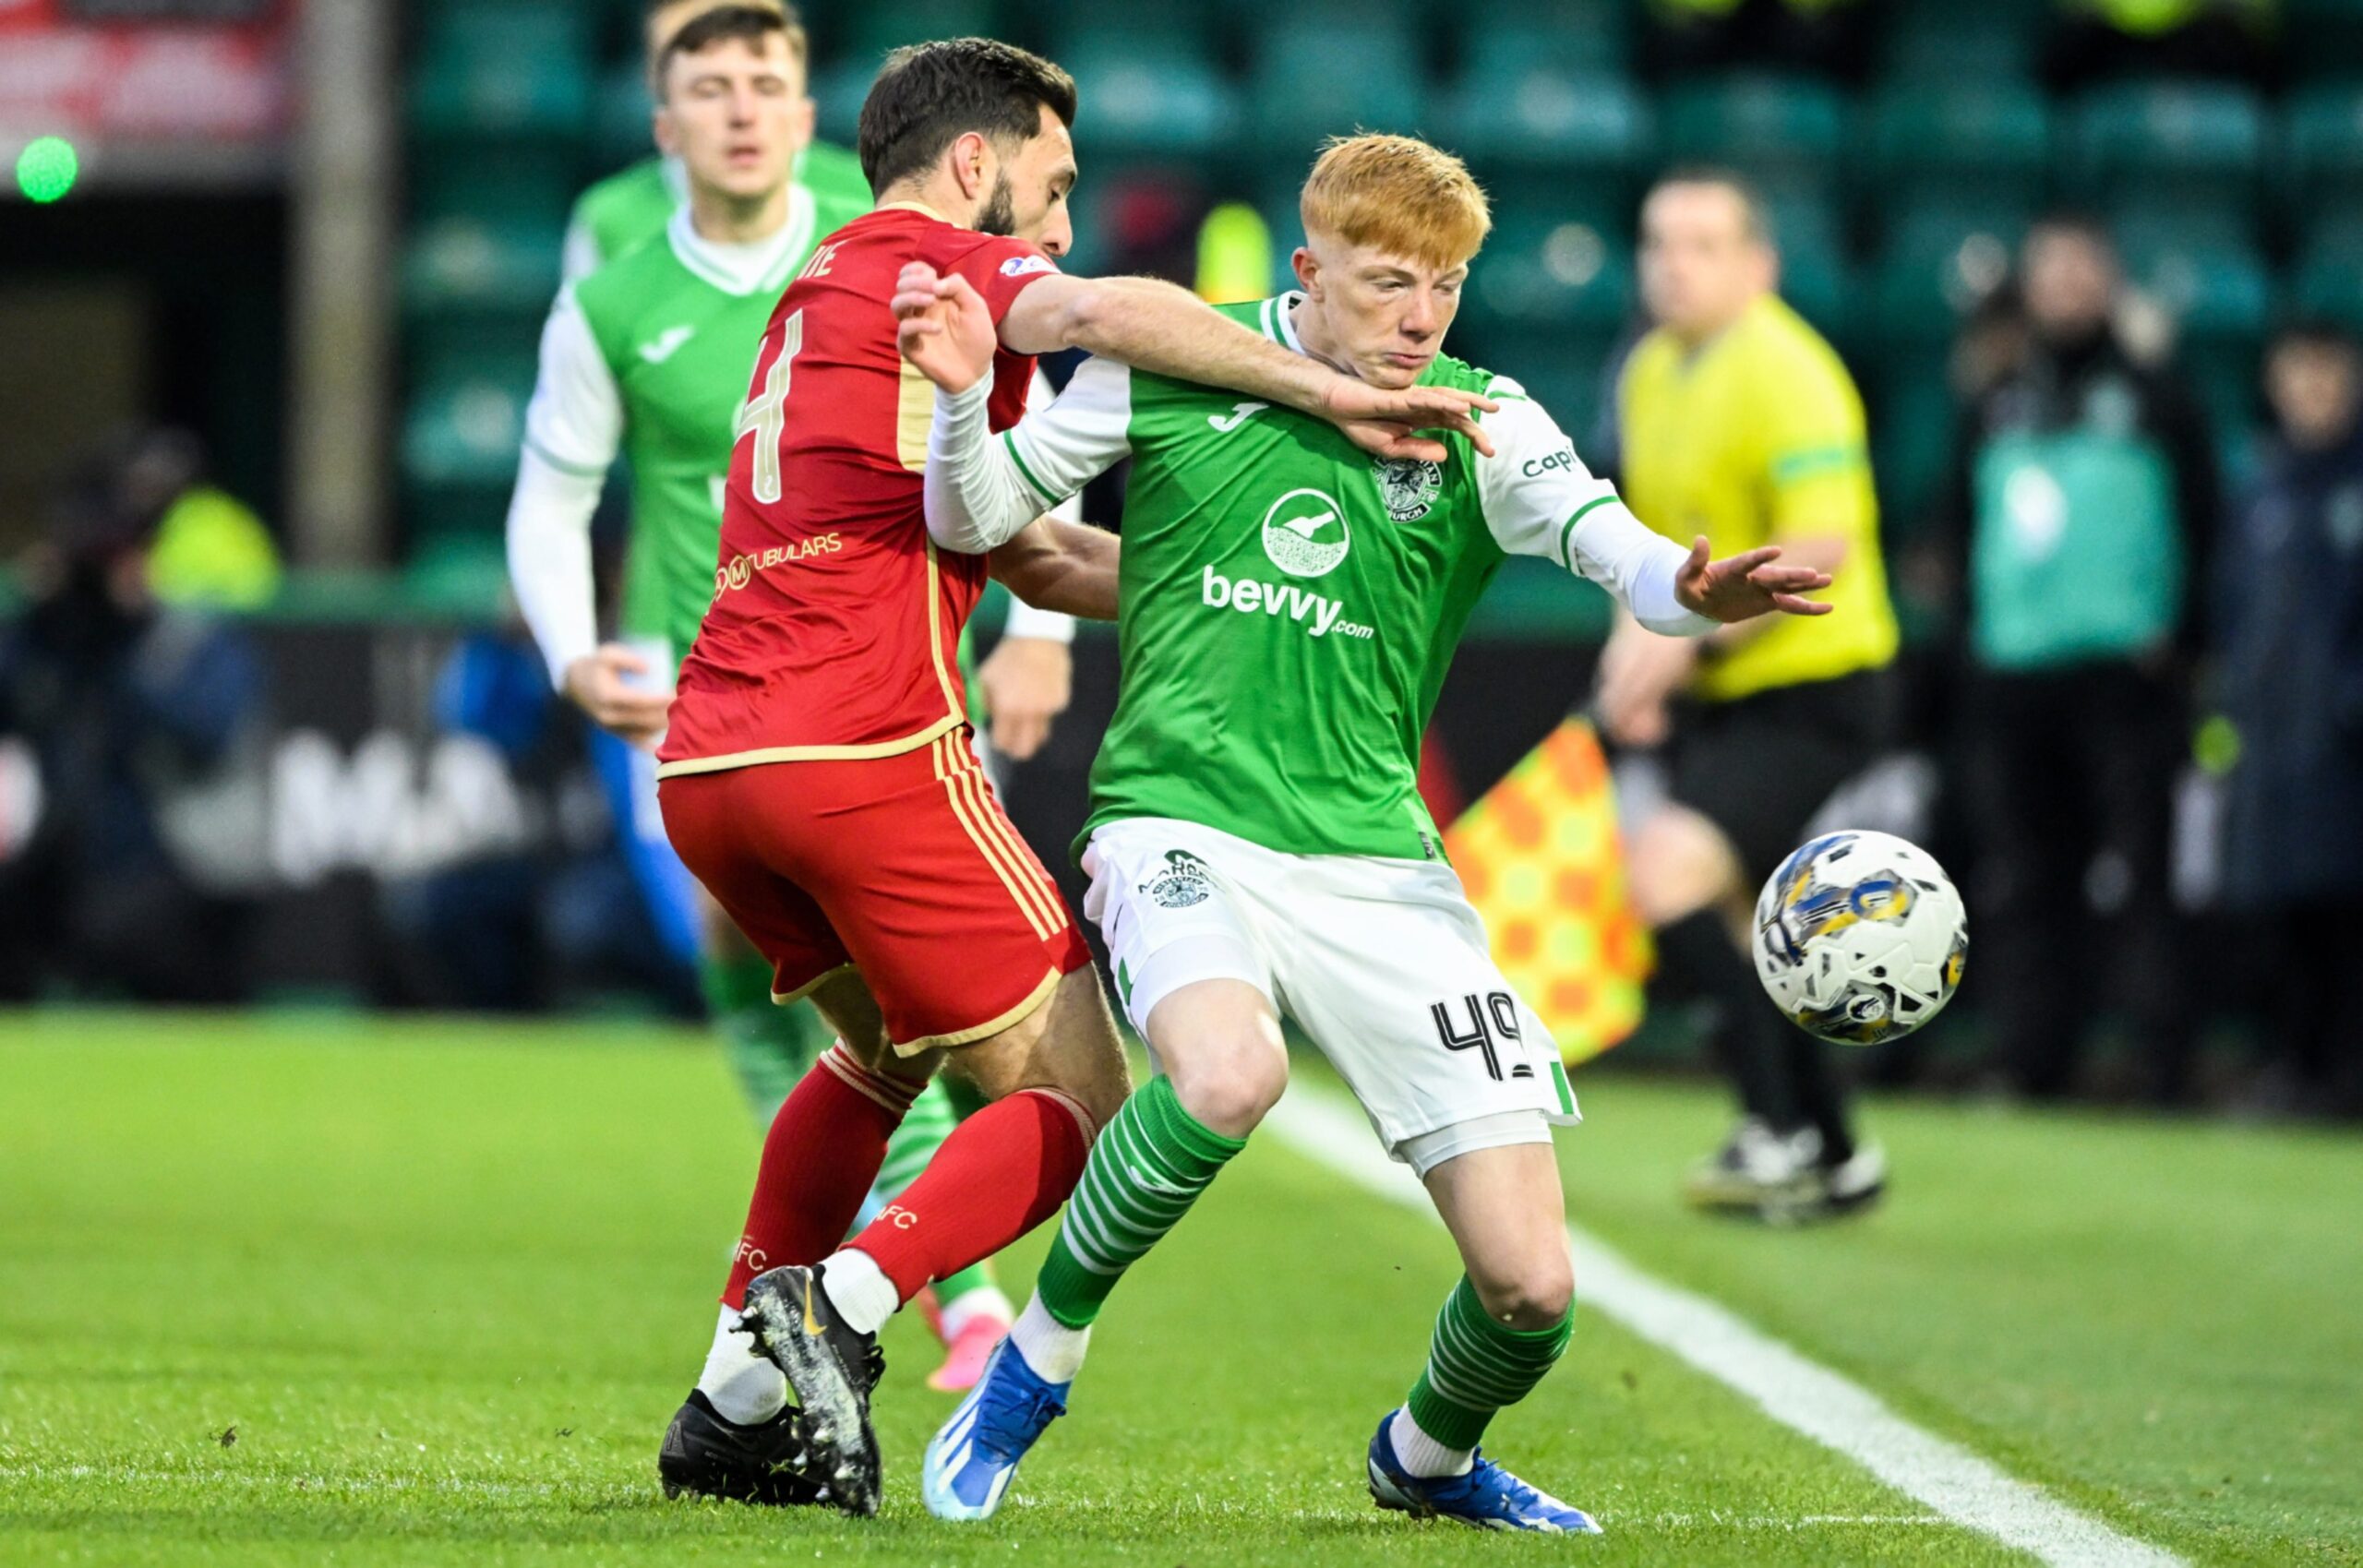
{"points": [[835, 624]]}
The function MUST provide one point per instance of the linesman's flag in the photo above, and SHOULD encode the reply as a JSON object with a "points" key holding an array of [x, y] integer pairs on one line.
{"points": [[1542, 862]]}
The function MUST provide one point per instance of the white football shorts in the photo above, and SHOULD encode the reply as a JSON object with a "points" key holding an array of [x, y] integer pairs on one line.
{"points": [[1382, 963]]}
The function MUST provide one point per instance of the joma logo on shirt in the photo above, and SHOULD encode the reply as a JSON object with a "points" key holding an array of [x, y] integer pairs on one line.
{"points": [[1316, 615]]}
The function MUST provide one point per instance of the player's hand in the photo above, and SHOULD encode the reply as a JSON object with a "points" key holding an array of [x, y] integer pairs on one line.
{"points": [[943, 327], [1028, 682], [1639, 673], [1386, 423], [602, 684], [1747, 585]]}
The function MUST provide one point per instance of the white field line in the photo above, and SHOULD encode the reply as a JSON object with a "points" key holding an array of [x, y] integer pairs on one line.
{"points": [[1801, 1394]]}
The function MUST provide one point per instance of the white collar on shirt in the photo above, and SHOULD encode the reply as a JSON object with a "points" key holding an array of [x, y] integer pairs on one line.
{"points": [[759, 267]]}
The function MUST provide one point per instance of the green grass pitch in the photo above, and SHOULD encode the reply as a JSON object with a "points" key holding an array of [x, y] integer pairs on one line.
{"points": [[286, 1289]]}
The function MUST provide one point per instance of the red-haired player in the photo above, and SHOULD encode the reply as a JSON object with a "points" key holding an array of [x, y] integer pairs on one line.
{"points": [[817, 775]]}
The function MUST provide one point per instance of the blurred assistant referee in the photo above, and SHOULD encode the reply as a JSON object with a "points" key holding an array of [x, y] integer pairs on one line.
{"points": [[1740, 422]]}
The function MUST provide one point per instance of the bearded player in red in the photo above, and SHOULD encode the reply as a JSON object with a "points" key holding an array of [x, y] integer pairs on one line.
{"points": [[817, 775]]}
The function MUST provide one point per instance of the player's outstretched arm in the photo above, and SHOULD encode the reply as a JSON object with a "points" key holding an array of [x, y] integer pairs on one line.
{"points": [[1160, 328], [1067, 567]]}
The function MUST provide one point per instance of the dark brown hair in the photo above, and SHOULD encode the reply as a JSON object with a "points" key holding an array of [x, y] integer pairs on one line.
{"points": [[930, 95], [750, 21]]}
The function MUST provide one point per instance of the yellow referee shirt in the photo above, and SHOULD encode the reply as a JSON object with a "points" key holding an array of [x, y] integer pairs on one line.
{"points": [[1755, 437]]}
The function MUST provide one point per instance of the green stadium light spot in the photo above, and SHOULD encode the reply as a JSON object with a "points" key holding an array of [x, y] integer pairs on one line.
{"points": [[46, 169]]}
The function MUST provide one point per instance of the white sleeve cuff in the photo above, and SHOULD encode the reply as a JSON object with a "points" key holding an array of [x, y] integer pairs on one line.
{"points": [[1050, 625], [976, 500], [1613, 548]]}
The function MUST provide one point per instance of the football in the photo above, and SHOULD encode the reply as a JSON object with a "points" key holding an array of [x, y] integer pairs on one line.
{"points": [[1860, 936]]}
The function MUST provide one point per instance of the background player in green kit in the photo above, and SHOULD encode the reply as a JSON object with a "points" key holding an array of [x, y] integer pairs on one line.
{"points": [[634, 204], [1256, 843], [647, 357]]}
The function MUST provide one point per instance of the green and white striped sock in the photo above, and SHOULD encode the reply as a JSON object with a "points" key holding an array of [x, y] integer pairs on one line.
{"points": [[1144, 1172], [1476, 1367]]}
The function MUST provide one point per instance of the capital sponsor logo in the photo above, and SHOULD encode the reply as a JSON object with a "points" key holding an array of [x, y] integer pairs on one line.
{"points": [[739, 571], [1026, 266], [1560, 461], [1318, 616], [1305, 533]]}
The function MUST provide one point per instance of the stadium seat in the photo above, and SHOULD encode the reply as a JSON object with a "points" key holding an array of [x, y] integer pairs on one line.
{"points": [[1544, 267], [854, 51], [1154, 96], [1945, 41], [514, 69], [1582, 36], [1319, 72], [2322, 145], [2186, 140], [1785, 131], [1814, 270], [1962, 141], [1516, 111], [465, 419], [497, 183], [2215, 285], [479, 267], [1911, 439], [619, 126], [1936, 262], [2329, 273]]}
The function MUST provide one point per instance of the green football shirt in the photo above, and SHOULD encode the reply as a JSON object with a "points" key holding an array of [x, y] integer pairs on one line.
{"points": [[1288, 604]]}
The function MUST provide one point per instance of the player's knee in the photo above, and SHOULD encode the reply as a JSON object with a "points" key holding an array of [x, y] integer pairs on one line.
{"points": [[1231, 1084], [1534, 1296]]}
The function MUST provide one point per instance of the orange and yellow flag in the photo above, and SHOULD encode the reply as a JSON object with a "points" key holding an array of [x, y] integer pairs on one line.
{"points": [[1542, 861]]}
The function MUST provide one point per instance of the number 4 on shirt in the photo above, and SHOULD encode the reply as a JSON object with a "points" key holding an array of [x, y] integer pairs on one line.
{"points": [[766, 412]]}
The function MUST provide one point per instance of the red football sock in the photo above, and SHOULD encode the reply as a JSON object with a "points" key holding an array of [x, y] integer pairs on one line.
{"points": [[819, 1158], [1002, 1172]]}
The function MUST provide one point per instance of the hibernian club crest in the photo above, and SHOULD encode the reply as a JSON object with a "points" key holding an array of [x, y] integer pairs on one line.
{"points": [[1182, 882], [1409, 487]]}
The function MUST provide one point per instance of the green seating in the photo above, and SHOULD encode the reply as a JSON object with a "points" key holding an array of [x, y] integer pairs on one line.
{"points": [[1150, 97], [1575, 37], [621, 132], [498, 182], [515, 69], [1913, 424], [465, 419], [1787, 130], [2329, 275], [1935, 263], [2322, 144], [1544, 267], [1963, 139], [1319, 74], [479, 267], [2216, 286], [1515, 109], [2188, 140], [1946, 42]]}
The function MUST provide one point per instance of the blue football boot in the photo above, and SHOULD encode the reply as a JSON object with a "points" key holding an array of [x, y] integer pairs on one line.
{"points": [[1488, 1497], [972, 1458]]}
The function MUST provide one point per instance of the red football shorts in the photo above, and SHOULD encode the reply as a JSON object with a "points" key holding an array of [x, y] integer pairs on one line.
{"points": [[904, 867]]}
